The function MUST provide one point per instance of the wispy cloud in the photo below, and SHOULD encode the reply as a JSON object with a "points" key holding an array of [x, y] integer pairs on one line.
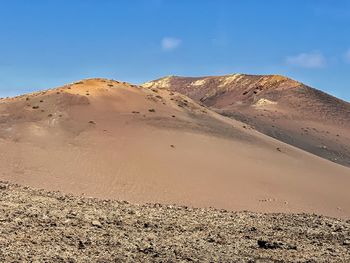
{"points": [[307, 60], [347, 56], [170, 43]]}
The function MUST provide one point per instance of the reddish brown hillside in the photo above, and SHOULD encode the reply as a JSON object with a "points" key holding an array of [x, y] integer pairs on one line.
{"points": [[276, 106], [110, 139]]}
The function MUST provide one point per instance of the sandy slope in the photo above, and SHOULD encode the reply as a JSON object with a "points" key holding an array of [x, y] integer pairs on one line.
{"points": [[114, 140], [277, 106]]}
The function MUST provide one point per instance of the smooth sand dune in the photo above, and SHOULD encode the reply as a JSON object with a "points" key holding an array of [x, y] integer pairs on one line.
{"points": [[110, 139]]}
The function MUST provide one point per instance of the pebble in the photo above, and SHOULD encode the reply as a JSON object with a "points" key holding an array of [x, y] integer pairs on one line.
{"points": [[96, 223]]}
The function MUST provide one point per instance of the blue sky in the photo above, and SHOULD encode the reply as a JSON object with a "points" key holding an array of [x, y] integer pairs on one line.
{"points": [[45, 43]]}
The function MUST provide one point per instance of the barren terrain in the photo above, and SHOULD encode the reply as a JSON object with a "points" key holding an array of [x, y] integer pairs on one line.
{"points": [[277, 106], [109, 139], [41, 226]]}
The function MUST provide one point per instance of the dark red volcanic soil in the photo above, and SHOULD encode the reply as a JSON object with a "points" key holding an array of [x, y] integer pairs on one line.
{"points": [[276, 106]]}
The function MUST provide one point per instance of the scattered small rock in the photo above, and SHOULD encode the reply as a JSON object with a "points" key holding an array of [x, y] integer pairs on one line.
{"points": [[96, 223], [346, 242], [155, 232], [268, 245], [211, 240], [81, 245], [3, 186]]}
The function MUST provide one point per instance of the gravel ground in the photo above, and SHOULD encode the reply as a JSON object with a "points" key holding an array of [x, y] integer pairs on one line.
{"points": [[41, 226]]}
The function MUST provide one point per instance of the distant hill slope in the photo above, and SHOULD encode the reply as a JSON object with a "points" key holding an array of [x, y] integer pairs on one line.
{"points": [[276, 106], [110, 139]]}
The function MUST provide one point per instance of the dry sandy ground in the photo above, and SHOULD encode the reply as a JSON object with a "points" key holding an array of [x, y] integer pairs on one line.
{"points": [[277, 106], [109, 139], [40, 226]]}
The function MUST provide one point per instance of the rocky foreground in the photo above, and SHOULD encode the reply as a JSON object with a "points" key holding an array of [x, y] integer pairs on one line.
{"points": [[41, 226]]}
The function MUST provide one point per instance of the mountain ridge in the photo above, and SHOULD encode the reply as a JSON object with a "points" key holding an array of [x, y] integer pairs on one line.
{"points": [[275, 105], [114, 140]]}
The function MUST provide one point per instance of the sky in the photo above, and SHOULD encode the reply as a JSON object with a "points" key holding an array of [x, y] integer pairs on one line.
{"points": [[44, 44]]}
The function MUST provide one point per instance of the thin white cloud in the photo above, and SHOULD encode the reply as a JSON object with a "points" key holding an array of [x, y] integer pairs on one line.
{"points": [[170, 43], [347, 56], [307, 60]]}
